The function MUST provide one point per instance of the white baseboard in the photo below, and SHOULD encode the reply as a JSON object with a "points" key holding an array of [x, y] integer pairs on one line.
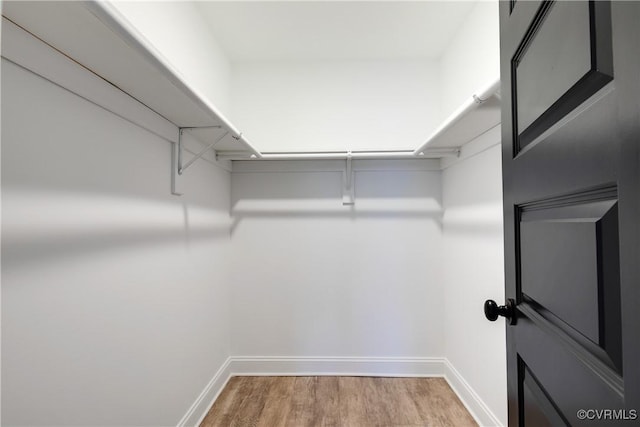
{"points": [[339, 366], [205, 400], [474, 404]]}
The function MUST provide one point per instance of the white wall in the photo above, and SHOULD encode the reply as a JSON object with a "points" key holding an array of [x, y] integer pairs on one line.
{"points": [[179, 32], [312, 277], [472, 59], [474, 270], [335, 105], [324, 105], [114, 292], [110, 284]]}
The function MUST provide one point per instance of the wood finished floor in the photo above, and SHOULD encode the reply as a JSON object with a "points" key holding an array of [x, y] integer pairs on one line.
{"points": [[337, 401]]}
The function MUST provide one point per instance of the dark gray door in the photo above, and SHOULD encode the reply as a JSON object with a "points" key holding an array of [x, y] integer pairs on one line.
{"points": [[571, 135]]}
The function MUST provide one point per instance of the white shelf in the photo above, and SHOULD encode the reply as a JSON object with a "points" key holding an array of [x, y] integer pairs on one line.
{"points": [[475, 116], [96, 36]]}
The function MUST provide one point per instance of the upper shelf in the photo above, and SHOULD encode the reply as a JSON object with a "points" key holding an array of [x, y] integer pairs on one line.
{"points": [[476, 115], [98, 37]]}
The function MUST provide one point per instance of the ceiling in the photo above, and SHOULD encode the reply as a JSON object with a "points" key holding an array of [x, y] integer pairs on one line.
{"points": [[334, 30]]}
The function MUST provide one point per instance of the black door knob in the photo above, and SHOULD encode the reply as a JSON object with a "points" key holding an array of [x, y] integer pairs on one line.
{"points": [[493, 310]]}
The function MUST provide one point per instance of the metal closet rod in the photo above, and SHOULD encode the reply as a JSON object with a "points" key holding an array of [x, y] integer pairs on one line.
{"points": [[342, 155]]}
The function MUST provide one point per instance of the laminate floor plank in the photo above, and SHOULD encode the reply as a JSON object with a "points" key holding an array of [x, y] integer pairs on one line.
{"points": [[398, 403], [327, 408], [437, 404], [376, 402], [278, 402], [452, 407], [228, 403], [251, 408], [302, 408], [337, 402], [353, 409]]}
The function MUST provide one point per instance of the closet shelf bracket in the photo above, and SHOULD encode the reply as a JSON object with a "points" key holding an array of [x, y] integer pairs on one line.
{"points": [[183, 167], [348, 191], [179, 166]]}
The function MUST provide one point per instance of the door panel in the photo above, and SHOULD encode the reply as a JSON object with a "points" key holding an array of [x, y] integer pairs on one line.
{"points": [[571, 377], [569, 46], [568, 263], [538, 408], [571, 133]]}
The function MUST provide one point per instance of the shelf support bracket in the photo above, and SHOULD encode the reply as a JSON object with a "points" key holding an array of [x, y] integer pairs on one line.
{"points": [[181, 167], [178, 167], [348, 191]]}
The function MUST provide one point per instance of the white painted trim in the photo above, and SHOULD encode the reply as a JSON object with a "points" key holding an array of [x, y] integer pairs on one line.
{"points": [[205, 400], [338, 366], [257, 166], [470, 399]]}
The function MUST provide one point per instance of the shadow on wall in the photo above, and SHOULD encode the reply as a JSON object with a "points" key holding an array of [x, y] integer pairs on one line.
{"points": [[45, 225], [392, 195], [474, 220], [238, 215], [77, 179]]}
